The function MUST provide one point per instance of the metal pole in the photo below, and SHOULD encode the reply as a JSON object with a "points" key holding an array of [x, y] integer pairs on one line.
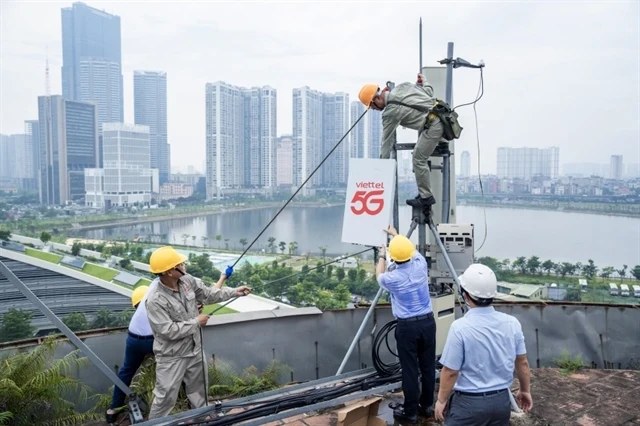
{"points": [[62, 327], [446, 185], [420, 44], [445, 255], [360, 330], [394, 155]]}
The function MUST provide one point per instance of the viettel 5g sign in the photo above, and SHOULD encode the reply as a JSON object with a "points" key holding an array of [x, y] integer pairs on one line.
{"points": [[369, 204]]}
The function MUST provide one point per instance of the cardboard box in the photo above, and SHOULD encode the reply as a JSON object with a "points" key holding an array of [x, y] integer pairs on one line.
{"points": [[362, 413]]}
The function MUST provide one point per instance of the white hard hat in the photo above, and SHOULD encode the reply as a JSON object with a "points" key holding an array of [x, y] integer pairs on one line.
{"points": [[479, 281]]}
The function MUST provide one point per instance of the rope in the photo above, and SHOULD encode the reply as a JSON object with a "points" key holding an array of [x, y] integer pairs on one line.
{"points": [[301, 186]]}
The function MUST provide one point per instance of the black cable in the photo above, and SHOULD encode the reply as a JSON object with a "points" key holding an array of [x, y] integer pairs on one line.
{"points": [[385, 373], [301, 186], [383, 368]]}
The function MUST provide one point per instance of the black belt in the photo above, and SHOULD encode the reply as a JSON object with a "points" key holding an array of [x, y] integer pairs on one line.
{"points": [[418, 318], [481, 393], [135, 336]]}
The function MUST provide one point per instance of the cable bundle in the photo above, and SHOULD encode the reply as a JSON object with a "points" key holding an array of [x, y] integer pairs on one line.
{"points": [[381, 367]]}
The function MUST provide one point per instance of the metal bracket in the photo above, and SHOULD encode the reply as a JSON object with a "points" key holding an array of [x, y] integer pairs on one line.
{"points": [[4, 270]]}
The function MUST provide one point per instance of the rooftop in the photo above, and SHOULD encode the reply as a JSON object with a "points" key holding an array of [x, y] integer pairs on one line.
{"points": [[588, 397]]}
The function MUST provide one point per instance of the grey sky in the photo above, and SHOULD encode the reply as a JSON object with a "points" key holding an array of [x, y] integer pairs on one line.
{"points": [[558, 73]]}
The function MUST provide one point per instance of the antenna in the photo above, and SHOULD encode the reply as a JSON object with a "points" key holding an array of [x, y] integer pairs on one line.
{"points": [[420, 44], [46, 75]]}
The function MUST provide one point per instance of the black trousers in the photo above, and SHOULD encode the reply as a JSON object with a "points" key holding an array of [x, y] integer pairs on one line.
{"points": [[416, 343]]}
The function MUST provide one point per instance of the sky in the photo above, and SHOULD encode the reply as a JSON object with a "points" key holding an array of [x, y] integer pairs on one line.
{"points": [[563, 74]]}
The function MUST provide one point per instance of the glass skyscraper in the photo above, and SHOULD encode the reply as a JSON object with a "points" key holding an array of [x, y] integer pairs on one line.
{"points": [[69, 144], [150, 109], [92, 60]]}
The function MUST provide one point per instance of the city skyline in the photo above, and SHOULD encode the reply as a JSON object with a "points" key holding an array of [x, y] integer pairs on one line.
{"points": [[290, 57]]}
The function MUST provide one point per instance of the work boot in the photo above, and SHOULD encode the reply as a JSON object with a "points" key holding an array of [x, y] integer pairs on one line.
{"points": [[401, 416], [426, 412], [421, 202], [111, 418]]}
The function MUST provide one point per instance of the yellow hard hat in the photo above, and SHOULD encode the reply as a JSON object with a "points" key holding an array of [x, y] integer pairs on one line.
{"points": [[164, 259], [401, 248], [138, 294], [367, 93]]}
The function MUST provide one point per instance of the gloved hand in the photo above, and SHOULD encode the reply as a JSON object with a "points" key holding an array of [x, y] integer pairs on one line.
{"points": [[228, 271]]}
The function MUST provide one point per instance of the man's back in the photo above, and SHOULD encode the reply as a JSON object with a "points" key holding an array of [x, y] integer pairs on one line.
{"points": [[409, 94], [483, 347], [408, 285]]}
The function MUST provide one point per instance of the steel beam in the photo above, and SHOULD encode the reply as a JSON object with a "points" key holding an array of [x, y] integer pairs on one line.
{"points": [[136, 413]]}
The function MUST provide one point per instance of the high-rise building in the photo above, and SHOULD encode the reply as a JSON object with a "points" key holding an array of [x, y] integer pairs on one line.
{"points": [[16, 159], [68, 145], [616, 167], [241, 131], [526, 163], [150, 109], [92, 60], [308, 148], [32, 132], [366, 137], [335, 125], [126, 177], [465, 164], [320, 120], [284, 161]]}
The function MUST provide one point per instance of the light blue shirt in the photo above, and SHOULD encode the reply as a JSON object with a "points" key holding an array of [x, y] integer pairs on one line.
{"points": [[483, 346], [408, 284]]}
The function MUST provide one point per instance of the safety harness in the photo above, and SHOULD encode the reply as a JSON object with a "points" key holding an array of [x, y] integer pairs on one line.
{"points": [[442, 110]]}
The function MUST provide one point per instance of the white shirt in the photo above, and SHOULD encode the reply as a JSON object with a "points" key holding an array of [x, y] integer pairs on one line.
{"points": [[139, 323]]}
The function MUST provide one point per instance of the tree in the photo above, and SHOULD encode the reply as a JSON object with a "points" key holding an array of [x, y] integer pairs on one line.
{"points": [[75, 248], [5, 235], [272, 244], [636, 272], [622, 272], [243, 243], [362, 275], [293, 246], [256, 283], [340, 274], [590, 269], [45, 237], [282, 246], [352, 275], [521, 263], [76, 321], [607, 271], [218, 239], [204, 241], [226, 244], [37, 389], [548, 265], [193, 239], [329, 271], [567, 268], [342, 295], [185, 237], [490, 262], [126, 264], [104, 319], [323, 249], [506, 264], [533, 264], [16, 325]]}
